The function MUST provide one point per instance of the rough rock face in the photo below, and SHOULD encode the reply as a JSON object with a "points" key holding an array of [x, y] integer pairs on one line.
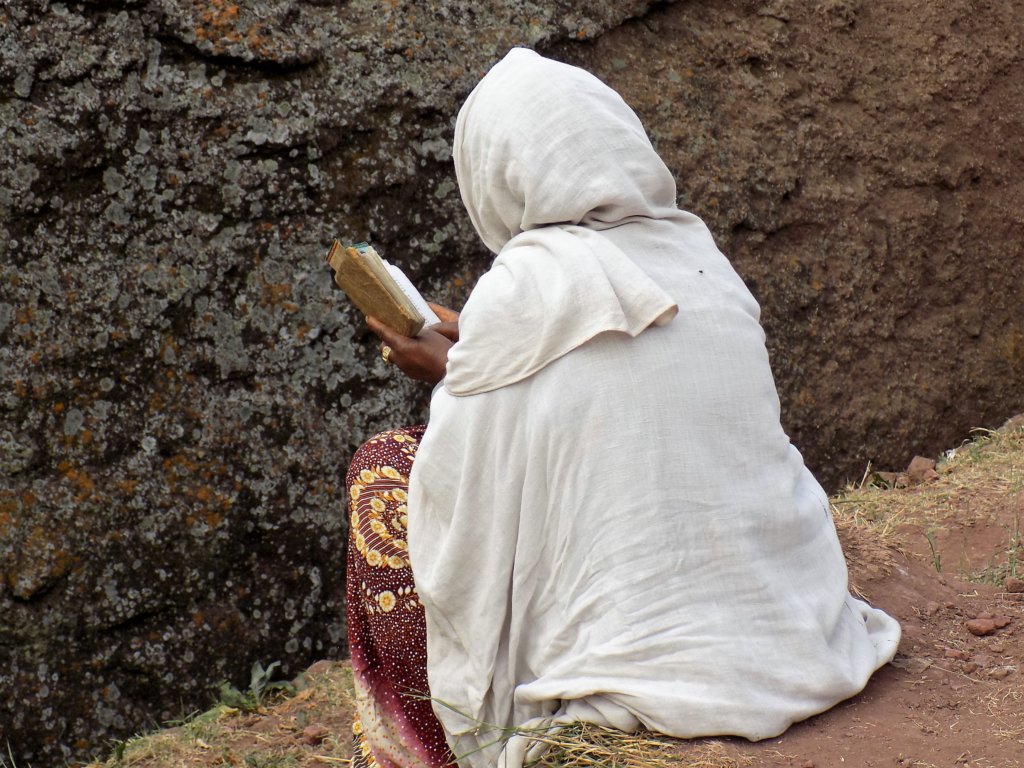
{"points": [[180, 389], [860, 164]]}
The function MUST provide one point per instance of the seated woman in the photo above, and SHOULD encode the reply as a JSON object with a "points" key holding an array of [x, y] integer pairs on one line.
{"points": [[605, 519]]}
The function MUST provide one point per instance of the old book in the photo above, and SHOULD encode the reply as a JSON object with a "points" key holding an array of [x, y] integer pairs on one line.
{"points": [[379, 289]]}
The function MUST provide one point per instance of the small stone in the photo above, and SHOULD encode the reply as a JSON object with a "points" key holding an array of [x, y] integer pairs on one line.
{"points": [[932, 608], [999, 673], [986, 624], [1013, 584], [921, 470], [809, 764], [971, 667], [319, 668], [314, 734], [956, 653]]}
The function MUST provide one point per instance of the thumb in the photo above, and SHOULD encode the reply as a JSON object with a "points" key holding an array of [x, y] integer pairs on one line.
{"points": [[388, 335]]}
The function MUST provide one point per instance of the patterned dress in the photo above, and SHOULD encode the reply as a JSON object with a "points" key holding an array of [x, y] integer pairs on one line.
{"points": [[395, 726]]}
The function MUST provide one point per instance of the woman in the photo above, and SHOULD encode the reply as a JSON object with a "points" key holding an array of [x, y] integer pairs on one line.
{"points": [[605, 519]]}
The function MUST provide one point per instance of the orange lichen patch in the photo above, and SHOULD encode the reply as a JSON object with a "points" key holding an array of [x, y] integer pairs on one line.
{"points": [[40, 562], [290, 307], [221, 24], [127, 487], [275, 293], [23, 315], [8, 506], [178, 466], [57, 408], [82, 481]]}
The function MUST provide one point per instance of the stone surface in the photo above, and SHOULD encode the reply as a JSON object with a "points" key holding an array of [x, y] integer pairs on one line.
{"points": [[986, 625], [180, 389], [921, 470]]}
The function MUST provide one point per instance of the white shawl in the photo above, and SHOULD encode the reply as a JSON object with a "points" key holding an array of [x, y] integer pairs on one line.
{"points": [[607, 522]]}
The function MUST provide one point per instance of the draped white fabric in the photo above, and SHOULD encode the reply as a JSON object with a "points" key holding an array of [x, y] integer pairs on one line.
{"points": [[607, 521]]}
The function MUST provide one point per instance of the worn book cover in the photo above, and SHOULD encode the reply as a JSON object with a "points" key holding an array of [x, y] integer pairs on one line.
{"points": [[378, 288]]}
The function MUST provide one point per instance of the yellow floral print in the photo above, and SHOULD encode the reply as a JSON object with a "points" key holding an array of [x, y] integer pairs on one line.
{"points": [[357, 727], [374, 558], [366, 476], [396, 562], [354, 491], [400, 495], [355, 519], [390, 472], [360, 544], [377, 505], [386, 601], [380, 529]]}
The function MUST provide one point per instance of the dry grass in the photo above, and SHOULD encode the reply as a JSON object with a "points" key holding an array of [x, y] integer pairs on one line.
{"points": [[973, 480], [273, 736], [584, 745], [1006, 708], [979, 483]]}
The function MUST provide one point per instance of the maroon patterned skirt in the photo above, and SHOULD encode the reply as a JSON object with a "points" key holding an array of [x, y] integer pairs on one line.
{"points": [[395, 726]]}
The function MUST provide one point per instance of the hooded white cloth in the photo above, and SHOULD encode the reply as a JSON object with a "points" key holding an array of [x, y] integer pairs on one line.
{"points": [[607, 521]]}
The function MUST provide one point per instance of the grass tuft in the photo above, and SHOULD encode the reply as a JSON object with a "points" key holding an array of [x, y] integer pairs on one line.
{"points": [[584, 745]]}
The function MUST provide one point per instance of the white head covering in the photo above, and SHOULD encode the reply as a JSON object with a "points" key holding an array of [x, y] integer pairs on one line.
{"points": [[540, 186]]}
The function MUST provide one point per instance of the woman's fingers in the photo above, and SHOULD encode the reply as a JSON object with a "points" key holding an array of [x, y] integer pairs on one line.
{"points": [[390, 337], [422, 357], [445, 314], [449, 330]]}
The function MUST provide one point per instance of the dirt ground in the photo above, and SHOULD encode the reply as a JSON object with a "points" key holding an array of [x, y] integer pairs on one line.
{"points": [[940, 549]]}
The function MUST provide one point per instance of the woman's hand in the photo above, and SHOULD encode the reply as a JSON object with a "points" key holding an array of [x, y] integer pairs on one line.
{"points": [[424, 356]]}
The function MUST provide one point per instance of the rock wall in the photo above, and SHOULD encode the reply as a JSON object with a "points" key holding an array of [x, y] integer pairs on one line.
{"points": [[180, 389], [860, 164]]}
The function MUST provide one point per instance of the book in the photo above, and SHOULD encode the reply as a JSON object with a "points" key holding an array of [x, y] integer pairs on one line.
{"points": [[379, 288]]}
